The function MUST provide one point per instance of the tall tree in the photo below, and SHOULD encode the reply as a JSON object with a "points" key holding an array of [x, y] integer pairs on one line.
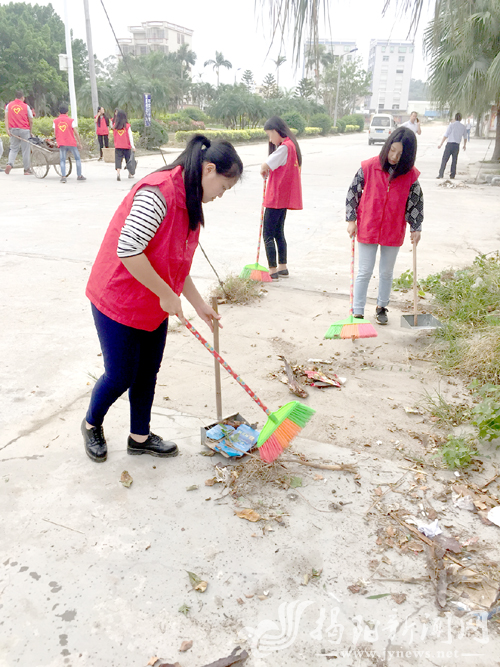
{"points": [[248, 79], [354, 83], [305, 89], [219, 62], [269, 87], [186, 58], [278, 62]]}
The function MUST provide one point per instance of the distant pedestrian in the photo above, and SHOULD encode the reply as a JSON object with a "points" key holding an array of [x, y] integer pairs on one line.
{"points": [[454, 133], [68, 139], [468, 127], [18, 126], [383, 198], [284, 191], [102, 129], [413, 123], [124, 142]]}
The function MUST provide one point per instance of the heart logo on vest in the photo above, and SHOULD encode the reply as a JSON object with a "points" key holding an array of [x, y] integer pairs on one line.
{"points": [[17, 110], [62, 127], [121, 132]]}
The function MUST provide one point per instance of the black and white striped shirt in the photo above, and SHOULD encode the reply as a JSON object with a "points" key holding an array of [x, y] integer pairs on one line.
{"points": [[148, 211]]}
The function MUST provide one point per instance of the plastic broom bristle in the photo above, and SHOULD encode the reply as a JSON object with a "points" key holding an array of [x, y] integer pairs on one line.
{"points": [[250, 269], [350, 331], [262, 276], [281, 428], [366, 330]]}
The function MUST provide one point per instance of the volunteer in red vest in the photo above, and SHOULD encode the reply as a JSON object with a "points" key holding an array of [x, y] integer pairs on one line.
{"points": [[124, 143], [283, 191], [383, 198], [102, 128], [68, 139], [140, 272], [18, 125]]}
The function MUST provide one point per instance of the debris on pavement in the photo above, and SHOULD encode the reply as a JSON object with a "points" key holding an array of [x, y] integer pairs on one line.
{"points": [[197, 583], [186, 645], [293, 385], [126, 479], [494, 515], [232, 659]]}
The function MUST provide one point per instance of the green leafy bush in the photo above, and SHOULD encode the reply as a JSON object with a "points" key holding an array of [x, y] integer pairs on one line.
{"points": [[356, 119], [196, 114], [44, 126], [227, 135], [458, 451], [312, 130], [296, 120], [487, 412], [341, 125], [151, 137], [351, 128], [323, 121]]}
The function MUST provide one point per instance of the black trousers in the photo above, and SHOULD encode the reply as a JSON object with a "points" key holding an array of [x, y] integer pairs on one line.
{"points": [[274, 235], [450, 150], [120, 155], [103, 140]]}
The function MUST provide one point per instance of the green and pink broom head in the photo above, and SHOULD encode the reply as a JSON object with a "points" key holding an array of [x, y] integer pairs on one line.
{"points": [[281, 427], [256, 271], [352, 327]]}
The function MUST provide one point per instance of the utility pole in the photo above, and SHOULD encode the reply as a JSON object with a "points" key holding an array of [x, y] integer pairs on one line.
{"points": [[93, 81], [71, 75]]}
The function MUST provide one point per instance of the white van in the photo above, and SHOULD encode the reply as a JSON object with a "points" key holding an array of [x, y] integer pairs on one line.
{"points": [[381, 126]]}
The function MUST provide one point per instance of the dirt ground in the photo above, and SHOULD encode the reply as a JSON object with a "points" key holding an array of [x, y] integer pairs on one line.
{"points": [[333, 568]]}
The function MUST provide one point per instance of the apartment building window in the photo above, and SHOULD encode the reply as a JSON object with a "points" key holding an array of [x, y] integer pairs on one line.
{"points": [[385, 59], [143, 50], [399, 71], [395, 106], [401, 59], [402, 49], [392, 49], [383, 49]]}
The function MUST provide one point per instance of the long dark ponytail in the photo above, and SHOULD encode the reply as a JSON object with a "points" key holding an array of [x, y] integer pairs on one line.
{"points": [[199, 150], [278, 124]]}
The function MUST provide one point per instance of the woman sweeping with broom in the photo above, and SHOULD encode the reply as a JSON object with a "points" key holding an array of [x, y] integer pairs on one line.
{"points": [[384, 196], [283, 192], [141, 269]]}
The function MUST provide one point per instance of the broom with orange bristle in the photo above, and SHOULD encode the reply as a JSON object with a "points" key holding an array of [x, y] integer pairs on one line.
{"points": [[281, 427], [352, 327], [257, 271]]}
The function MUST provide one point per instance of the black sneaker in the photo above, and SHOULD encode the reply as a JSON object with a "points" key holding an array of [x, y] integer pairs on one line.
{"points": [[95, 442], [358, 316], [283, 273], [274, 276], [154, 445], [381, 315]]}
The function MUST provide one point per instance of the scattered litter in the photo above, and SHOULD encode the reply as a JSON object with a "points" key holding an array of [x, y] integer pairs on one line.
{"points": [[448, 543], [494, 515], [293, 385], [249, 515], [413, 411], [453, 186], [430, 530], [184, 609], [186, 645], [320, 379], [463, 502], [196, 582], [398, 598], [232, 659], [193, 487], [126, 479], [231, 442]]}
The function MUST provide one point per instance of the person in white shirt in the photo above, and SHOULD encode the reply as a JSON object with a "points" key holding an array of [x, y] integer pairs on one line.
{"points": [[413, 123], [454, 133]]}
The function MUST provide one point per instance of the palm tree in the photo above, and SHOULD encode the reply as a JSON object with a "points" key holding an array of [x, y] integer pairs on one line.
{"points": [[278, 62], [218, 63], [185, 57]]}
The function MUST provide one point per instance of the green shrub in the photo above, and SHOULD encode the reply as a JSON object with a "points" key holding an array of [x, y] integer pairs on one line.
{"points": [[356, 119], [487, 412], [313, 130], [227, 135], [151, 137], [341, 125], [458, 451], [351, 128], [196, 114], [43, 126], [323, 121], [295, 120], [334, 130]]}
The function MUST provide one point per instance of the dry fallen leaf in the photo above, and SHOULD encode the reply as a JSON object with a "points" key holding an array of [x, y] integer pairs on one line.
{"points": [[126, 479], [318, 476], [390, 531], [240, 601], [398, 598], [210, 482], [378, 491], [249, 515], [185, 646], [249, 596], [262, 597], [196, 582], [153, 660]]}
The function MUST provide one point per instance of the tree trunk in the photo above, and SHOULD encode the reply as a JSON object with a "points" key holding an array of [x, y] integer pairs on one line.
{"points": [[496, 150], [478, 125]]}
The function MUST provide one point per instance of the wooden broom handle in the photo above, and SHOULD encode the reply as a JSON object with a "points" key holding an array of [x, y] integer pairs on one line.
{"points": [[415, 293]]}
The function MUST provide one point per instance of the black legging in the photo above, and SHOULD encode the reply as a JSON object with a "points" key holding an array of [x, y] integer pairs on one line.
{"points": [[103, 139], [274, 235]]}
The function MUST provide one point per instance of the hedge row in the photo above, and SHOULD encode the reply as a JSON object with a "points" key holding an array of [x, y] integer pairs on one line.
{"points": [[228, 135]]}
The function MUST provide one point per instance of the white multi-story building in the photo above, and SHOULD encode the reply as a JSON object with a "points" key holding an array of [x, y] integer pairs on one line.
{"points": [[155, 36], [336, 48], [390, 64]]}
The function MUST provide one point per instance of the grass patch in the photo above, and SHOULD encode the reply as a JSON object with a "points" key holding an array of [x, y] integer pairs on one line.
{"points": [[447, 414], [467, 302], [458, 451], [237, 290]]}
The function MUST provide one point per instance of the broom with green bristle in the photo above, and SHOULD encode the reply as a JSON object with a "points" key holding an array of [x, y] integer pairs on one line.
{"points": [[281, 427], [257, 271], [352, 327]]}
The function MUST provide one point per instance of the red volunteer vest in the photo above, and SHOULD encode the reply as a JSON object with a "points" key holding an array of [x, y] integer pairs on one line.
{"points": [[381, 211], [113, 290], [18, 115], [284, 189], [121, 137], [64, 131], [101, 126]]}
